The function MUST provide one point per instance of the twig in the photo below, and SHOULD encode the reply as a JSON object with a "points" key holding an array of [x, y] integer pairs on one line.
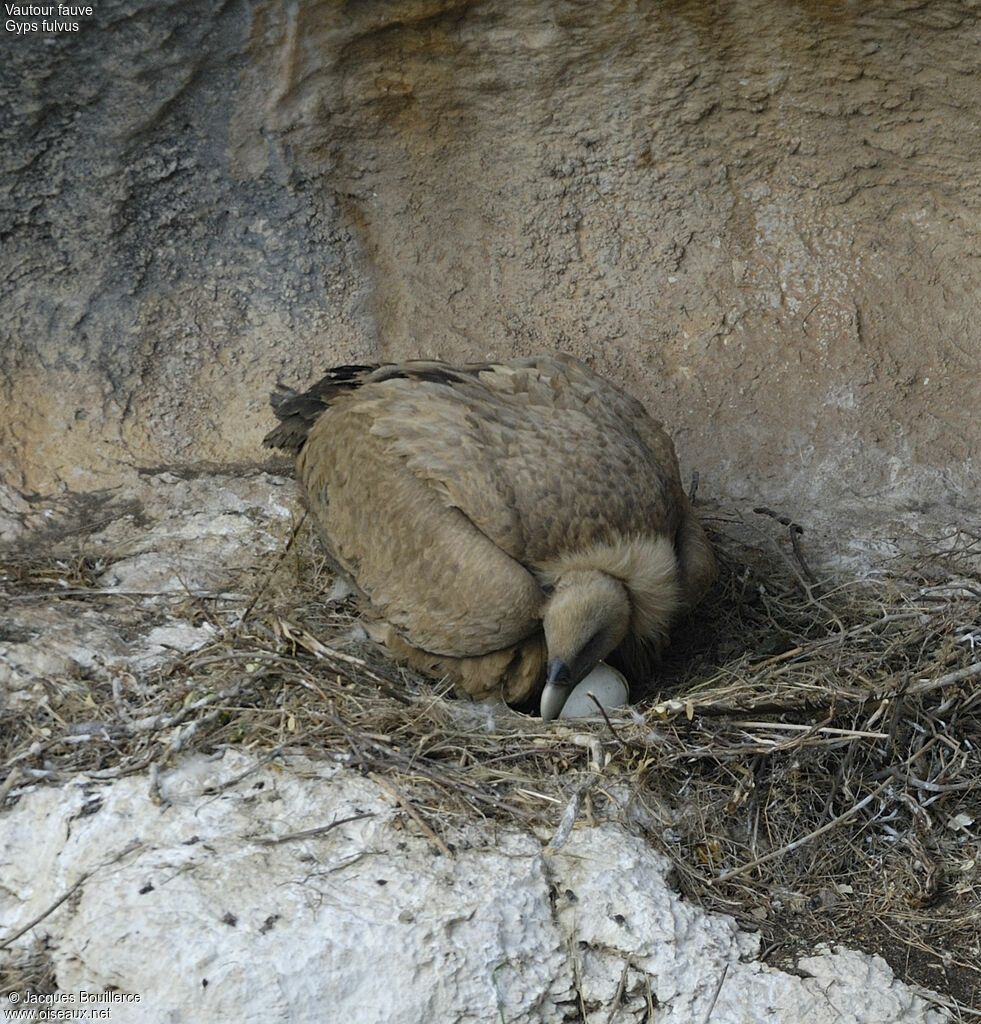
{"points": [[606, 718], [826, 730], [933, 787], [82, 878], [926, 685], [715, 997], [797, 843], [795, 531], [13, 777], [615, 1003], [577, 976], [776, 658], [361, 758], [303, 638], [411, 811], [310, 833], [569, 815], [251, 770], [272, 572]]}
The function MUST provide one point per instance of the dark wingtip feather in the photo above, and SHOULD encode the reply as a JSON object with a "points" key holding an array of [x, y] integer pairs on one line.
{"points": [[299, 411]]}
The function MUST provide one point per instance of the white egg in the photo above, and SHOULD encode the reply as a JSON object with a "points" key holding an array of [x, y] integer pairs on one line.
{"points": [[606, 684]]}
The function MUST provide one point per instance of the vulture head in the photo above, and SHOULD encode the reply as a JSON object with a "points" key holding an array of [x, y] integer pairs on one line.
{"points": [[586, 618]]}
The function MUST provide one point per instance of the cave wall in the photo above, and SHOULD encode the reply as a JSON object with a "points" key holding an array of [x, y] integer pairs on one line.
{"points": [[762, 218]]}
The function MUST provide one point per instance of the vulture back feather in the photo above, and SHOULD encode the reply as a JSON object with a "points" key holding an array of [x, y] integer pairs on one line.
{"points": [[505, 523]]}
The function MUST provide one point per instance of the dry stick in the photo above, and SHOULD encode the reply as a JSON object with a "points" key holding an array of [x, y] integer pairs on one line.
{"points": [[795, 532], [119, 772], [926, 685], [615, 1004], [891, 771], [577, 977], [311, 833], [715, 997], [569, 815], [839, 779], [46, 595], [82, 878], [606, 718], [236, 779], [825, 730], [935, 787], [842, 697], [302, 637], [650, 996], [387, 755], [777, 657], [384, 684], [790, 847], [9, 782], [273, 570], [476, 794], [807, 586], [410, 810]]}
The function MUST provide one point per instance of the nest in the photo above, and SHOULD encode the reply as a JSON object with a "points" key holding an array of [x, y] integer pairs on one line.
{"points": [[809, 758]]}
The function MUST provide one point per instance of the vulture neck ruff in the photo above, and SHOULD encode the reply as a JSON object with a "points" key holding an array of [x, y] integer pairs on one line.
{"points": [[648, 569]]}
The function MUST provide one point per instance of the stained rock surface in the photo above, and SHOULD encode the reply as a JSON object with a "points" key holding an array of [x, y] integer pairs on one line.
{"points": [[761, 218]]}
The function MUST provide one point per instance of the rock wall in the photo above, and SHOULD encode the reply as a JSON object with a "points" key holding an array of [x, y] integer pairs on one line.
{"points": [[764, 219]]}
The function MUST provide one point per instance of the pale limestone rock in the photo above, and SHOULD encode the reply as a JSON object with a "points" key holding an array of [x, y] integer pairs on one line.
{"points": [[205, 907]]}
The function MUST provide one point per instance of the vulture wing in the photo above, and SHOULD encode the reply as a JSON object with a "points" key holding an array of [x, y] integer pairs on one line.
{"points": [[443, 491], [542, 456], [423, 565]]}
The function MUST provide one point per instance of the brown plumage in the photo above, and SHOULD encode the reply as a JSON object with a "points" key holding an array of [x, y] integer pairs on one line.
{"points": [[503, 523]]}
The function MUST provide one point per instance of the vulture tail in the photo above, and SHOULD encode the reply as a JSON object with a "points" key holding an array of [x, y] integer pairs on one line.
{"points": [[297, 412]]}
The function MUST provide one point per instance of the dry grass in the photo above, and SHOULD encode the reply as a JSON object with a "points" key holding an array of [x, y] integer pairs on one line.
{"points": [[810, 760]]}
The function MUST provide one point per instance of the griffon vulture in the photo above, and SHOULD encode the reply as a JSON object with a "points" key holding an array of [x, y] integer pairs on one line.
{"points": [[507, 525]]}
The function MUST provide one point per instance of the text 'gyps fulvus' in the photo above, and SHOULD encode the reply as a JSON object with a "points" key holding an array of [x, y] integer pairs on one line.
{"points": [[507, 525]]}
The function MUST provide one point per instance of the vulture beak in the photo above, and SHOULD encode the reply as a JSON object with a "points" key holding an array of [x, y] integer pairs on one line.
{"points": [[558, 686]]}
